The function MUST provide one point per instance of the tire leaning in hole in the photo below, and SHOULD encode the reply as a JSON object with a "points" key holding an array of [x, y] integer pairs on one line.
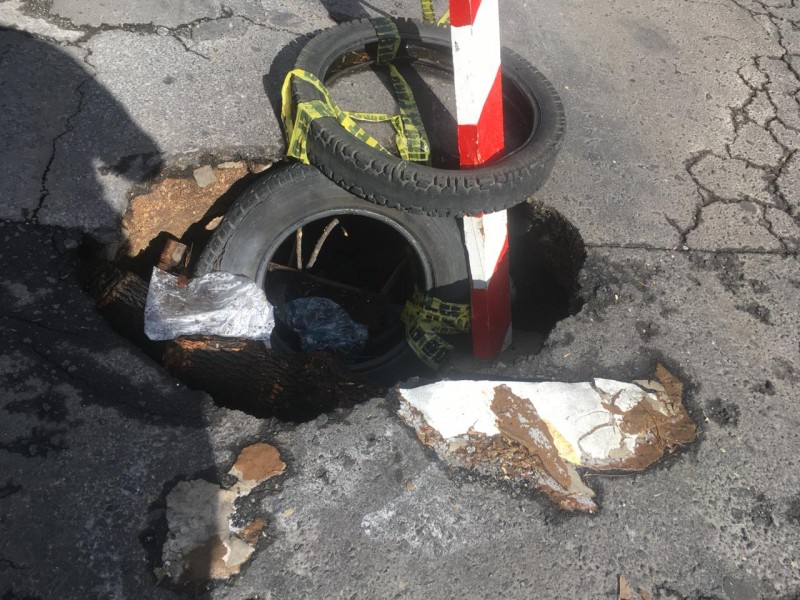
{"points": [[291, 195]]}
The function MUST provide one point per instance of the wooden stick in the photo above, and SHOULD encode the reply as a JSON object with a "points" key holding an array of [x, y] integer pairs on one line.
{"points": [[298, 247], [325, 233], [276, 267]]}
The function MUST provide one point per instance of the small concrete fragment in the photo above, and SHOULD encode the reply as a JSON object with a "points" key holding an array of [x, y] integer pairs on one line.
{"points": [[259, 167], [256, 464], [204, 176], [625, 591], [537, 433], [202, 543]]}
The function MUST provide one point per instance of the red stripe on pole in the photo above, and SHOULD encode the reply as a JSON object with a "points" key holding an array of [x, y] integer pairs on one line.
{"points": [[462, 12], [484, 141], [491, 312]]}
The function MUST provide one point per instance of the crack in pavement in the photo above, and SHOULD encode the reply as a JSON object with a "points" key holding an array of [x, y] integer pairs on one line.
{"points": [[42, 11], [270, 27], [69, 126], [757, 154], [182, 42]]}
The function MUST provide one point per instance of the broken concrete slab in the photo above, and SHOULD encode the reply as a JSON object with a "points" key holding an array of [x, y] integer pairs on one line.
{"points": [[203, 543], [600, 425]]}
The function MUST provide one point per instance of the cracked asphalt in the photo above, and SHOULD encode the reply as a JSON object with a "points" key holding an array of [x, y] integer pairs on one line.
{"points": [[680, 170]]}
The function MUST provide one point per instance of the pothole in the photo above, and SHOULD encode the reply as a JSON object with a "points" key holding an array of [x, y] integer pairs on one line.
{"points": [[366, 262], [546, 254]]}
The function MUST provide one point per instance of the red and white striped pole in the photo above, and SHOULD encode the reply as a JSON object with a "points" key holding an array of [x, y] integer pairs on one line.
{"points": [[475, 28]]}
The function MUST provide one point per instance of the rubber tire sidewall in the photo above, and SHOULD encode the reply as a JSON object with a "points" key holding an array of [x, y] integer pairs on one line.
{"points": [[291, 194], [387, 180]]}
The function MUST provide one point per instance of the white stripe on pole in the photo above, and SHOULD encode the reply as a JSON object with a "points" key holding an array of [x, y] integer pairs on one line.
{"points": [[485, 238], [476, 58]]}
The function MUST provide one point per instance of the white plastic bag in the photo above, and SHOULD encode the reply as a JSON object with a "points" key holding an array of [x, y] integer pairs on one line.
{"points": [[218, 303]]}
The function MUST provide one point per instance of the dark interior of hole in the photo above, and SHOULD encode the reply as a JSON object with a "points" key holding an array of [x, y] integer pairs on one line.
{"points": [[421, 66], [365, 266], [546, 254]]}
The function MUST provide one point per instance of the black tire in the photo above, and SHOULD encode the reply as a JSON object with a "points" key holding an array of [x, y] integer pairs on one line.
{"points": [[289, 196], [389, 181]]}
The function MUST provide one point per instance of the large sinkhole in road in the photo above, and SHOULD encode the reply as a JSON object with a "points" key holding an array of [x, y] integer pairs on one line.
{"points": [[369, 263]]}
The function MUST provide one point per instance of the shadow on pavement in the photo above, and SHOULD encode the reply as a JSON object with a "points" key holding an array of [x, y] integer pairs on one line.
{"points": [[92, 433]]}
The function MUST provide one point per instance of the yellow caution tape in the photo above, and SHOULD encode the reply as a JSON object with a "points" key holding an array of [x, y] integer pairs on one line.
{"points": [[410, 135], [388, 39], [425, 318], [429, 15], [305, 112], [414, 144], [412, 139]]}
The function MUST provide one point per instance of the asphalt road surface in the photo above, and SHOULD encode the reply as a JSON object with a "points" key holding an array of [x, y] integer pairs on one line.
{"points": [[681, 172]]}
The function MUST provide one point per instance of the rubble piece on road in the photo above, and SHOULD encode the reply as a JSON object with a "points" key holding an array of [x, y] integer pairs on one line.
{"points": [[245, 375], [538, 433], [204, 176], [174, 256], [217, 303], [202, 542], [625, 591]]}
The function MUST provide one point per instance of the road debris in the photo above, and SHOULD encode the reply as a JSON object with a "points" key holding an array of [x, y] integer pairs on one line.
{"points": [[202, 542], [260, 167], [218, 303], [625, 591], [323, 325], [204, 176], [538, 433], [246, 375]]}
